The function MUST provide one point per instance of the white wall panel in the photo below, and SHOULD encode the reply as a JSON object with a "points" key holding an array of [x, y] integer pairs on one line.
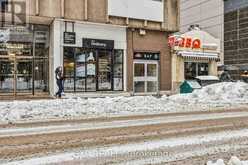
{"points": [[138, 9]]}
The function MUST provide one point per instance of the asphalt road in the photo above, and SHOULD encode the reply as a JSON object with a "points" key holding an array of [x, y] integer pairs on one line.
{"points": [[183, 138]]}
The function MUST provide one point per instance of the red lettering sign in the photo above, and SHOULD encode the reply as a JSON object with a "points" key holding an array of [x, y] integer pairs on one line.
{"points": [[184, 42], [196, 44], [188, 43]]}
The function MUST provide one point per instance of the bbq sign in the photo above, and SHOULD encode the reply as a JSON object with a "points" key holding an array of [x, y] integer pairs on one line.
{"points": [[184, 42]]}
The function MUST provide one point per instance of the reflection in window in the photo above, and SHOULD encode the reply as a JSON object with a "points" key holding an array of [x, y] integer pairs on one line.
{"points": [[118, 70], [139, 86], [139, 70], [69, 66], [152, 70], [152, 86], [82, 69], [193, 69], [202, 69]]}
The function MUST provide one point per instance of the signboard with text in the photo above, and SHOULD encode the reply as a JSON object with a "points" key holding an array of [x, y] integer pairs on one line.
{"points": [[184, 42], [69, 38], [98, 44], [146, 56]]}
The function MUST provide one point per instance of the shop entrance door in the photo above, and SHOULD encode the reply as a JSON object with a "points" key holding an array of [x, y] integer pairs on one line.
{"points": [[104, 71], [145, 76], [16, 76]]}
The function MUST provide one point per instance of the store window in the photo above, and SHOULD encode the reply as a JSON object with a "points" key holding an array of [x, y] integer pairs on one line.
{"points": [[93, 70], [118, 70], [193, 69], [24, 53], [69, 69]]}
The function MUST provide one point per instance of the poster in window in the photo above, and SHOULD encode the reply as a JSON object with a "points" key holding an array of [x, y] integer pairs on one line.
{"points": [[118, 84], [91, 69], [81, 58], [80, 70]]}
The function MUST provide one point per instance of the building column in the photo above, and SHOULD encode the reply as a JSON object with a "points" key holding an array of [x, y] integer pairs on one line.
{"points": [[213, 71], [177, 72], [56, 55]]}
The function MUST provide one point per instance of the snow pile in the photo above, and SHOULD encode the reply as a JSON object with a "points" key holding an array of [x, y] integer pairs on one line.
{"points": [[214, 96], [228, 92], [233, 161]]}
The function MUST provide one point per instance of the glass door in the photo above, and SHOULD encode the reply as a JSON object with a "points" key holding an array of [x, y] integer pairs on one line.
{"points": [[24, 76], [145, 76], [7, 76], [104, 77], [15, 76]]}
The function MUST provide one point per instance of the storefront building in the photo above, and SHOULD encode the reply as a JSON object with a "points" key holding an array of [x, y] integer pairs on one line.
{"points": [[93, 56], [103, 46], [24, 53], [149, 62], [194, 53]]}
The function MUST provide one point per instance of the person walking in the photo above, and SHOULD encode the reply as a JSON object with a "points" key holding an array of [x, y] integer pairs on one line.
{"points": [[59, 79]]}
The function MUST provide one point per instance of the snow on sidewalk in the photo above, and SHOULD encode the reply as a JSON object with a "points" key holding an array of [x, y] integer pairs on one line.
{"points": [[217, 95]]}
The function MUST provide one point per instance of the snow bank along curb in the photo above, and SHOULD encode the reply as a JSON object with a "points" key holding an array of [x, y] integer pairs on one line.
{"points": [[220, 95], [233, 161]]}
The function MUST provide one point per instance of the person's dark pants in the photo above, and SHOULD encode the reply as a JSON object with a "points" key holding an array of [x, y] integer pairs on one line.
{"points": [[60, 86]]}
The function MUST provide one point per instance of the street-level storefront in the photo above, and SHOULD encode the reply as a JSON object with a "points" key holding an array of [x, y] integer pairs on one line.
{"points": [[194, 53], [24, 52], [92, 55], [93, 68], [149, 62], [146, 72]]}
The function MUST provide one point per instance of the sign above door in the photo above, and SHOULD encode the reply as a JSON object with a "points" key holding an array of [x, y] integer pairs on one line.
{"points": [[98, 44]]}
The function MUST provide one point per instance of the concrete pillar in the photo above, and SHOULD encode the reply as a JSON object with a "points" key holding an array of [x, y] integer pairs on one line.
{"points": [[213, 71], [56, 54], [177, 71]]}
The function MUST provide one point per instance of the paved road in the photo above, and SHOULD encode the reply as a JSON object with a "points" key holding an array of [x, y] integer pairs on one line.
{"points": [[154, 139]]}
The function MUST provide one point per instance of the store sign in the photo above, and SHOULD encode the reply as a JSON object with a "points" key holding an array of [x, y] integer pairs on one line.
{"points": [[69, 38], [41, 36], [98, 44], [184, 42], [146, 56]]}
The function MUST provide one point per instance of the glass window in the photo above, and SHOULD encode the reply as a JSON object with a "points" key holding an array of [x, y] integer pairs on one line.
{"points": [[104, 70], [80, 60], [40, 76], [139, 86], [41, 41], [139, 70], [152, 86], [202, 69], [91, 70], [152, 70], [69, 84], [91, 83], [190, 70], [193, 69], [80, 84], [69, 68], [118, 70]]}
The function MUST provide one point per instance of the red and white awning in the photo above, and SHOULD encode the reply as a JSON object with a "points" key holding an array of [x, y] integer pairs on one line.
{"points": [[198, 55]]}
